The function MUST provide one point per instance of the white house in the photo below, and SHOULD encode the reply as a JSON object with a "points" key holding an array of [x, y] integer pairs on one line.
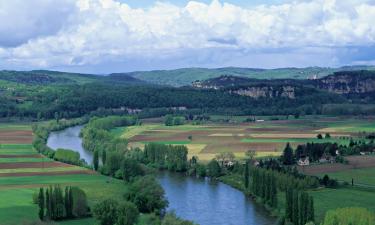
{"points": [[303, 161]]}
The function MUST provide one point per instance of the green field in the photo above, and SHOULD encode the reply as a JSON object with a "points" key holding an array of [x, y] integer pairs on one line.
{"points": [[16, 192], [327, 199], [365, 176], [12, 160]]}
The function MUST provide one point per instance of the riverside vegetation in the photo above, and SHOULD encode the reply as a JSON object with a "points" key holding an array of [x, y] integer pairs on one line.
{"points": [[264, 181]]}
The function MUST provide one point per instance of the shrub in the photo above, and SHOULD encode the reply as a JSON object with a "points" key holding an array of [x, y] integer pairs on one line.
{"points": [[106, 212], [350, 215], [67, 156], [147, 194]]}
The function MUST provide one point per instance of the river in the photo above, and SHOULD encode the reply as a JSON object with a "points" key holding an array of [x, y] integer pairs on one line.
{"points": [[203, 201]]}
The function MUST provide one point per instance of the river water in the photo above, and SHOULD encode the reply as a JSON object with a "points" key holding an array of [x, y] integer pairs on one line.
{"points": [[203, 201]]}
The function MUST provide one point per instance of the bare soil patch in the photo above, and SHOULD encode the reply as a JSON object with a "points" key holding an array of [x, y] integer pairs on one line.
{"points": [[16, 137], [16, 140], [22, 156], [27, 174], [355, 162], [32, 165]]}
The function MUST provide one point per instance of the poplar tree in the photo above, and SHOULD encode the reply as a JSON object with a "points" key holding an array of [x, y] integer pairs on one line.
{"points": [[104, 157], [41, 202], [311, 212], [295, 218], [68, 203], [246, 175], [48, 204], [273, 191], [96, 160], [289, 204], [288, 155]]}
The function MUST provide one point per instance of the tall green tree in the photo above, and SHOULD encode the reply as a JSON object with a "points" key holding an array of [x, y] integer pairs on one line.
{"points": [[213, 169], [288, 158], [96, 160], [48, 204], [106, 212], [127, 213], [68, 203], [104, 157], [246, 175], [41, 203], [296, 208]]}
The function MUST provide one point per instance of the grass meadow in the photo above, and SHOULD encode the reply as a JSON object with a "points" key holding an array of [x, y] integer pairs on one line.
{"points": [[23, 171]]}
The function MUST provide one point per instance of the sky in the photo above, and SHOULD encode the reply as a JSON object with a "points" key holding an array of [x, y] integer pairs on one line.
{"points": [[105, 36]]}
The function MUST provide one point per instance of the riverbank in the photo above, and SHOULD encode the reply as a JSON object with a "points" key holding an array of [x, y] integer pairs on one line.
{"points": [[236, 181], [184, 194]]}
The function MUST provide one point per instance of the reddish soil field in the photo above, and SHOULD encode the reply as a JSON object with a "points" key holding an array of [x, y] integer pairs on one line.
{"points": [[22, 156], [16, 137], [16, 140], [27, 174], [242, 147], [15, 133], [32, 165], [355, 162]]}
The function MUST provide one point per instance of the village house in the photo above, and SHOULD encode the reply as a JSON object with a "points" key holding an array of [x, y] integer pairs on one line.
{"points": [[303, 161]]}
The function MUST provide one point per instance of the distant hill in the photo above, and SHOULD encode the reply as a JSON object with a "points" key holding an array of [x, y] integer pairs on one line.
{"points": [[185, 77], [359, 83], [45, 77]]}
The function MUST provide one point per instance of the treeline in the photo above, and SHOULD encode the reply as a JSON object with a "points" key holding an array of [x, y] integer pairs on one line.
{"points": [[263, 185], [42, 130], [72, 101], [317, 151], [171, 120], [58, 204], [299, 207], [96, 135], [173, 158], [68, 156]]}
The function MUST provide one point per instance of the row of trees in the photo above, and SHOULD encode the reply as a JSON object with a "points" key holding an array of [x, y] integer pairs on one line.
{"points": [[171, 120], [263, 184], [96, 135], [56, 204], [174, 158], [316, 151], [299, 207]]}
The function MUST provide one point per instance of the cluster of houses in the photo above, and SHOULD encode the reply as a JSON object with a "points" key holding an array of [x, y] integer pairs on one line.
{"points": [[326, 158]]}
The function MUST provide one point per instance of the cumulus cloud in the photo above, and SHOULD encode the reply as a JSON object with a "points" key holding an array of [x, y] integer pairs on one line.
{"points": [[84, 33]]}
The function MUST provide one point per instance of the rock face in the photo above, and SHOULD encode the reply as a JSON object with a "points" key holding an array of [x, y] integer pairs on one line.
{"points": [[267, 92], [341, 83], [348, 82]]}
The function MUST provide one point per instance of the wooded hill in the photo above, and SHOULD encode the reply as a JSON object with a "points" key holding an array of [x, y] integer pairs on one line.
{"points": [[46, 94]]}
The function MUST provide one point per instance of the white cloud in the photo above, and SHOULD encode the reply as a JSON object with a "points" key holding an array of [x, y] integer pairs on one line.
{"points": [[90, 32]]}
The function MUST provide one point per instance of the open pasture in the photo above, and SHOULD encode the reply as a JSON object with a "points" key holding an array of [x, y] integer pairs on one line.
{"points": [[23, 171], [267, 138]]}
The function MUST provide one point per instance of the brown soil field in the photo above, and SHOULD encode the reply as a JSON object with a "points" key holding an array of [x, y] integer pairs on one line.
{"points": [[16, 140], [16, 137], [22, 156], [18, 165], [242, 147], [28, 174], [8, 133], [355, 162]]}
